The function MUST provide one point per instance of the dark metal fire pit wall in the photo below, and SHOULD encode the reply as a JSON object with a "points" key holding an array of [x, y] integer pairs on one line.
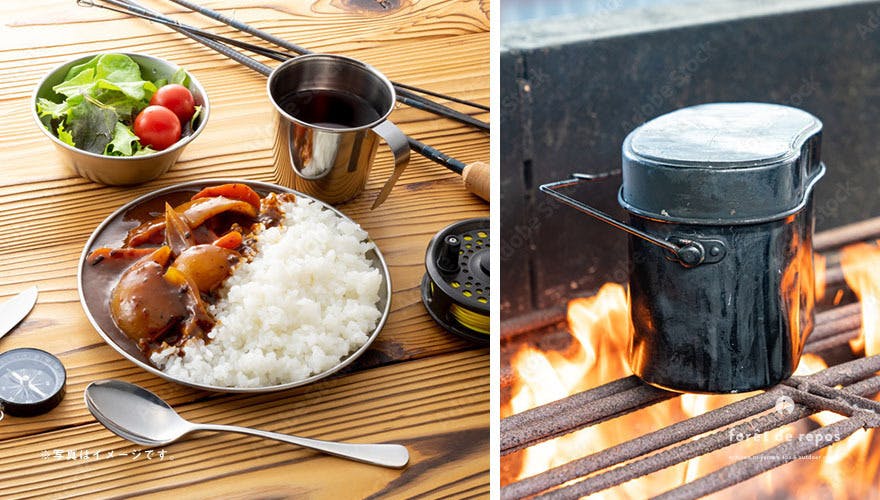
{"points": [[572, 89]]}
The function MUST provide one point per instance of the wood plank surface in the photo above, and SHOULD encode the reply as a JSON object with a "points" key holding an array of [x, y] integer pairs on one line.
{"points": [[436, 406], [417, 385]]}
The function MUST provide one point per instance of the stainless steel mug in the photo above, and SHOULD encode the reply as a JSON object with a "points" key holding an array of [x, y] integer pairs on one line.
{"points": [[332, 110]]}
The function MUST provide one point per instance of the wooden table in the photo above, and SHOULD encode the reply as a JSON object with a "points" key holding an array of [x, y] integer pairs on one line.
{"points": [[418, 385]]}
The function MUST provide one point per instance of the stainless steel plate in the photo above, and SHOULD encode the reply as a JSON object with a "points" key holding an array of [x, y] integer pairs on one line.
{"points": [[96, 304]]}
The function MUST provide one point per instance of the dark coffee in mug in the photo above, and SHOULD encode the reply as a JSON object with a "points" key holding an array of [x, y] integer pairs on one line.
{"points": [[329, 108]]}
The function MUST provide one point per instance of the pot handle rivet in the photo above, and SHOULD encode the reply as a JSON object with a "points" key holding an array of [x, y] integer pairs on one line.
{"points": [[691, 254]]}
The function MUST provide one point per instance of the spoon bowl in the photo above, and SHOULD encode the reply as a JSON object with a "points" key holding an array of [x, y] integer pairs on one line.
{"points": [[136, 414], [119, 431], [135, 410]]}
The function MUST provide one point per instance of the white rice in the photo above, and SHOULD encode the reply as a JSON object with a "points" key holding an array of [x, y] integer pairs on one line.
{"points": [[307, 299]]}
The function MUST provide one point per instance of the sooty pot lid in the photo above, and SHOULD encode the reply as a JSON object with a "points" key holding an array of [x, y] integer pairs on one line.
{"points": [[722, 163]]}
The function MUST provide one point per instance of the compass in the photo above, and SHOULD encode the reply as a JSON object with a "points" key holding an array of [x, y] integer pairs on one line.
{"points": [[31, 382]]}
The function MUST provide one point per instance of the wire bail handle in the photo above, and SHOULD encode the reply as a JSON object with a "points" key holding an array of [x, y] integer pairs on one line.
{"points": [[686, 251]]}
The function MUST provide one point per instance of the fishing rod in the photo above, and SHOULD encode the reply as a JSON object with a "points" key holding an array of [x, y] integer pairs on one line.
{"points": [[474, 175], [406, 93]]}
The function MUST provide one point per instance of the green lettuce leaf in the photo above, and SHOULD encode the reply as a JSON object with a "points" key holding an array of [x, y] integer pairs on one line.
{"points": [[45, 107], [180, 77], [82, 83], [124, 142], [92, 126], [90, 64], [192, 121], [140, 90], [117, 68], [107, 72], [124, 105], [64, 135]]}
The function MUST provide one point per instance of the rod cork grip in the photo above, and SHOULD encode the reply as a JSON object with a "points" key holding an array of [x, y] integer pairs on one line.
{"points": [[476, 179]]}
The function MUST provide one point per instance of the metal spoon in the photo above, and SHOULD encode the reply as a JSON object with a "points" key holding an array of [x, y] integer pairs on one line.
{"points": [[136, 414], [119, 431]]}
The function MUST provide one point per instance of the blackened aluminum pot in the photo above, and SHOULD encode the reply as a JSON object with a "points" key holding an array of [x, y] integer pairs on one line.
{"points": [[721, 281], [732, 326]]}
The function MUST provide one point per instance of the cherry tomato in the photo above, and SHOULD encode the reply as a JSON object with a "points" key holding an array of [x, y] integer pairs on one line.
{"points": [[177, 98], [157, 127]]}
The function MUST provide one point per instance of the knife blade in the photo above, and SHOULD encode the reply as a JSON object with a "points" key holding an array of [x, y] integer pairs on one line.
{"points": [[15, 309]]}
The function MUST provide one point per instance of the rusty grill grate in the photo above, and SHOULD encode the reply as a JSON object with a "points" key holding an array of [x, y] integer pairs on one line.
{"points": [[844, 389]]}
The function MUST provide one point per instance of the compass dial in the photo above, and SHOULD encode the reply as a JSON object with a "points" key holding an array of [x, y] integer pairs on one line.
{"points": [[31, 381]]}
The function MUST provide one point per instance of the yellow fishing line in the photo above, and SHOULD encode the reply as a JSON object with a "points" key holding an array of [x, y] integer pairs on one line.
{"points": [[470, 319], [467, 318]]}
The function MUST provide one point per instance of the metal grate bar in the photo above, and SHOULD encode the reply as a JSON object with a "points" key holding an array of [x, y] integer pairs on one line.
{"points": [[576, 401], [847, 402], [770, 459], [639, 446], [838, 340], [835, 328], [852, 401], [569, 414], [844, 235], [628, 394], [837, 320], [678, 454]]}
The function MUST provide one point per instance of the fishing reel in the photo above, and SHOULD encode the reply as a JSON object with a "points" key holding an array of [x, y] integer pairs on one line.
{"points": [[455, 288]]}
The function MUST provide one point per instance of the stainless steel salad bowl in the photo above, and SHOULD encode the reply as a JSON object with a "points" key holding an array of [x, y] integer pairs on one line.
{"points": [[121, 170]]}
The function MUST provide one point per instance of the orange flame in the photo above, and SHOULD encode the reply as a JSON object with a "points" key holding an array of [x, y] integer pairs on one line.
{"points": [[819, 262], [799, 286], [600, 328], [861, 269]]}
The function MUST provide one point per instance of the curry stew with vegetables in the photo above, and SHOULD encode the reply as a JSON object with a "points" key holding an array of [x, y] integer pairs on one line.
{"points": [[170, 266]]}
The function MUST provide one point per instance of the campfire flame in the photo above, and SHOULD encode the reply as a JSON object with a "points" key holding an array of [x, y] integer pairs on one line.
{"points": [[600, 326], [861, 269]]}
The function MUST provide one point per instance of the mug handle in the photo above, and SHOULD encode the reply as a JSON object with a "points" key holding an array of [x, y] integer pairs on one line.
{"points": [[399, 145]]}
